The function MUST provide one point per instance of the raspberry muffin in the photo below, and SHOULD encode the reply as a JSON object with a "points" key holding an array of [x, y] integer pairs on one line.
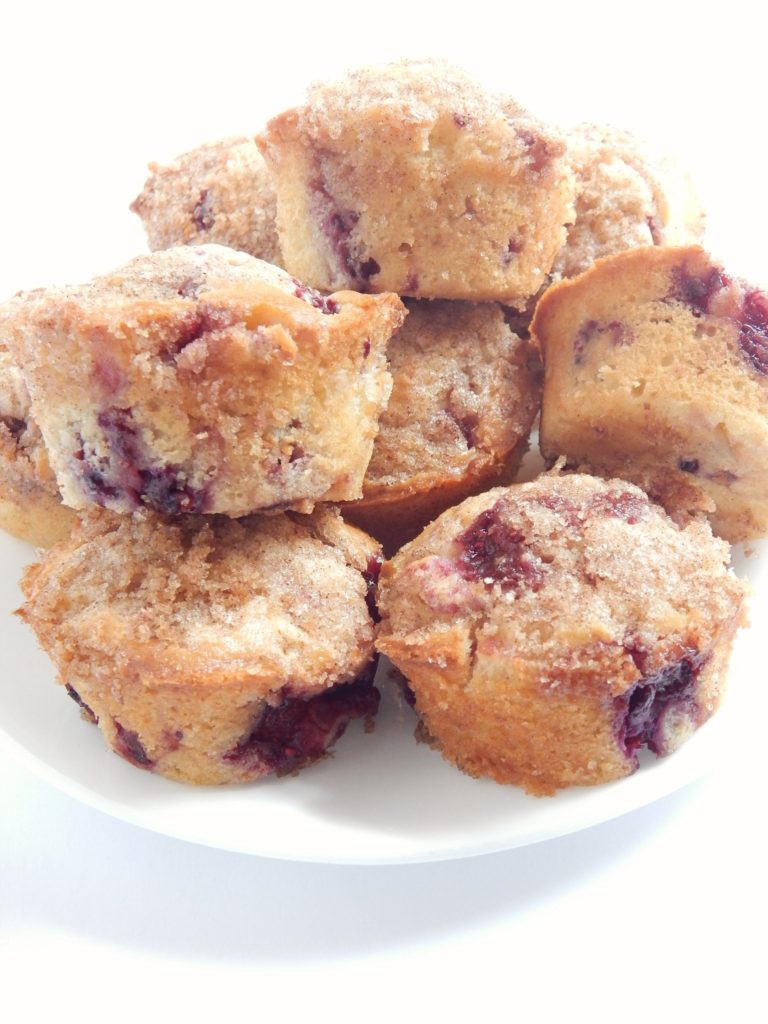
{"points": [[465, 393], [204, 380], [552, 629], [410, 178], [30, 505], [220, 192], [625, 198], [207, 650], [656, 370]]}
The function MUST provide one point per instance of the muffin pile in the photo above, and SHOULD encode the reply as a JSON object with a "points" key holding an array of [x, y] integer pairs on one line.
{"points": [[336, 352]]}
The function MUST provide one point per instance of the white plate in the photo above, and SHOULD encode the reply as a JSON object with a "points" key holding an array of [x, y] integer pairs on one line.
{"points": [[382, 799]]}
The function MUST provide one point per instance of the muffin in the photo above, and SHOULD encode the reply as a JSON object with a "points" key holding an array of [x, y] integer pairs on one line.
{"points": [[410, 178], [625, 198], [30, 505], [656, 370], [465, 393], [552, 629], [207, 650], [220, 192], [199, 379]]}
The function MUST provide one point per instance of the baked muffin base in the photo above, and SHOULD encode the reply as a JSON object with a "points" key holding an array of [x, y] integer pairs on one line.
{"points": [[196, 737]]}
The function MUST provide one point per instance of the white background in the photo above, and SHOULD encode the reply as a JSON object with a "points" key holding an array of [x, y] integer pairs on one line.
{"points": [[659, 914]]}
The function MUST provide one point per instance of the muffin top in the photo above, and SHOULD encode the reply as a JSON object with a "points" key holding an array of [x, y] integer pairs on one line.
{"points": [[219, 192], [170, 274], [403, 100], [411, 91], [179, 286], [264, 601], [562, 568]]}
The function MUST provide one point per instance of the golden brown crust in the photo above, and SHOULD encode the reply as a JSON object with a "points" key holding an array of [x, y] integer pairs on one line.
{"points": [[654, 372], [465, 393], [203, 380], [219, 192], [483, 190], [526, 618], [195, 627]]}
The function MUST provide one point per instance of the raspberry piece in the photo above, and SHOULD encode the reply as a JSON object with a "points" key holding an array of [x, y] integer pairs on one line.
{"points": [[298, 731], [493, 552], [753, 332], [641, 713], [129, 746], [697, 291]]}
